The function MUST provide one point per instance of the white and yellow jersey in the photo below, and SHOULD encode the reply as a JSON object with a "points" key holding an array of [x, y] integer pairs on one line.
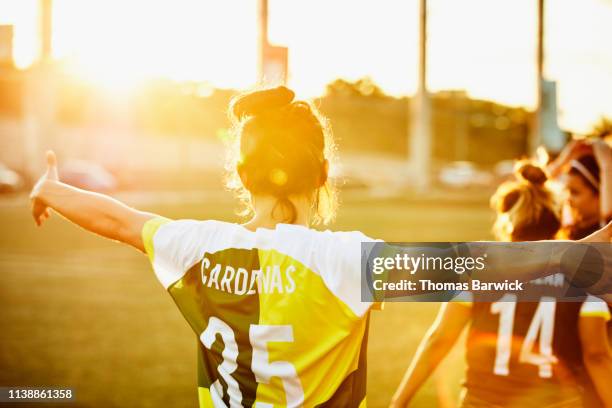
{"points": [[277, 313]]}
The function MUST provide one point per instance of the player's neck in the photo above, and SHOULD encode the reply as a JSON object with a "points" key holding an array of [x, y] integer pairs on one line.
{"points": [[268, 214]]}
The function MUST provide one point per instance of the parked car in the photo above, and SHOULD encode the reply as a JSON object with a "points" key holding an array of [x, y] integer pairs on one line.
{"points": [[10, 181], [504, 169], [464, 174], [87, 175]]}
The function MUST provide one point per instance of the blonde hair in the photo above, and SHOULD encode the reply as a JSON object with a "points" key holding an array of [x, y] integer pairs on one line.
{"points": [[282, 148], [526, 208]]}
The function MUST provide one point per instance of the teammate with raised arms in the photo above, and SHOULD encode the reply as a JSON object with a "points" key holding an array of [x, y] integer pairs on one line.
{"points": [[520, 353]]}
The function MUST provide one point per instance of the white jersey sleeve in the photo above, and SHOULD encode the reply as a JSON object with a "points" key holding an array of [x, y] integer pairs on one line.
{"points": [[339, 257], [173, 246]]}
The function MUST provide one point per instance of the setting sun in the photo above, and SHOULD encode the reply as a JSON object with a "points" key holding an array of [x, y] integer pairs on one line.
{"points": [[118, 44]]}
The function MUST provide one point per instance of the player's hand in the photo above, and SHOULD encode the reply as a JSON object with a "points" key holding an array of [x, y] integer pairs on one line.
{"points": [[603, 153], [576, 149], [40, 210], [572, 151], [602, 235]]}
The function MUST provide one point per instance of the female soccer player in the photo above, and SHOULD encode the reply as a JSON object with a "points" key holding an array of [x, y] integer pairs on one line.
{"points": [[587, 167], [276, 306], [520, 354]]}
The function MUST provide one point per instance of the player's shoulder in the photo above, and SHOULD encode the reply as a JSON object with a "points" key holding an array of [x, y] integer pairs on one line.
{"points": [[180, 223], [326, 237], [280, 229], [178, 235], [217, 235], [343, 237], [184, 225], [189, 227]]}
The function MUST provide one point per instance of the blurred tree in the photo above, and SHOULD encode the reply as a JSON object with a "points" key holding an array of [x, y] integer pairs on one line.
{"points": [[603, 129], [361, 87], [365, 119]]}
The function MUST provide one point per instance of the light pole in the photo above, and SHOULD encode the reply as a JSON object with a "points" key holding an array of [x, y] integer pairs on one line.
{"points": [[39, 127], [272, 64], [262, 42], [420, 129], [535, 138]]}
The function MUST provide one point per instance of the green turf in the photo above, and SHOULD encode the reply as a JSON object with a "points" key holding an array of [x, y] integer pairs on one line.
{"points": [[81, 311]]}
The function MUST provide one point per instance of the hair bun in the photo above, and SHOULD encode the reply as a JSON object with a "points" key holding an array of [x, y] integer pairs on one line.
{"points": [[257, 102], [531, 173], [509, 200]]}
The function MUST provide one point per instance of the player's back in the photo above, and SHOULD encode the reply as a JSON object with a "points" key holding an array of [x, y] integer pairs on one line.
{"points": [[524, 354], [277, 313]]}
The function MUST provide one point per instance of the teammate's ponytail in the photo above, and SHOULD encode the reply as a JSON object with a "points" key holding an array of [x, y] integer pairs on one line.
{"points": [[526, 209], [283, 150]]}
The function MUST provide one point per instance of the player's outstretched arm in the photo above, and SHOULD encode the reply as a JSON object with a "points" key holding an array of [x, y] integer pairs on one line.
{"points": [[530, 260], [95, 212], [603, 155], [436, 344], [573, 150]]}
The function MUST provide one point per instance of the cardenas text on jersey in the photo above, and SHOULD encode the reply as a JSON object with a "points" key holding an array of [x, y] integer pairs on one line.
{"points": [[240, 281]]}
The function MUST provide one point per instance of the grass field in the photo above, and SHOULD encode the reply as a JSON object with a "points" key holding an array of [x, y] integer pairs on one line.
{"points": [[81, 311]]}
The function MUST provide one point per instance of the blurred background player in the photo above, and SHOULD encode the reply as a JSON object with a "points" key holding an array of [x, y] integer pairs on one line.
{"points": [[586, 171], [520, 354]]}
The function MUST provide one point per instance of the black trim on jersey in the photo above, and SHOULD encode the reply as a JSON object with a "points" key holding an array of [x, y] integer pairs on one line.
{"points": [[198, 303]]}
